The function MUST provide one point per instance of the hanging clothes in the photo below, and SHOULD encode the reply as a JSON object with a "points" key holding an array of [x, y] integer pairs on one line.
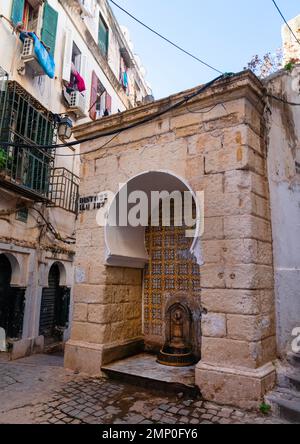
{"points": [[125, 80], [79, 81], [76, 83]]}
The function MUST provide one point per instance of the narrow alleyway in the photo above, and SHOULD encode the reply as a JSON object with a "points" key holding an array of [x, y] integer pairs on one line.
{"points": [[38, 390]]}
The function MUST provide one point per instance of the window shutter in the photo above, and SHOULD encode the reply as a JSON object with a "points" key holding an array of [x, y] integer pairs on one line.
{"points": [[94, 93], [103, 36], [49, 27], [108, 103], [66, 75], [17, 11]]}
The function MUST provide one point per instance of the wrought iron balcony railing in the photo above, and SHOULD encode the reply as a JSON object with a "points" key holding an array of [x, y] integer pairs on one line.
{"points": [[64, 189]]}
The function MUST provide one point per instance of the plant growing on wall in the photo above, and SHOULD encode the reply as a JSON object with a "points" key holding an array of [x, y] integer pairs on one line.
{"points": [[3, 158], [266, 65], [290, 65]]}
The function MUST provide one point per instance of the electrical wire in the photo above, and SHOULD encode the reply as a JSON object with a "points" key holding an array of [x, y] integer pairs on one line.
{"points": [[91, 151], [166, 39], [52, 229], [116, 133], [286, 22], [207, 110], [131, 126], [279, 99]]}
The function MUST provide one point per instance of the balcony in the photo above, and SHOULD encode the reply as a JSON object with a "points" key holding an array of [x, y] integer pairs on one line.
{"points": [[30, 171], [64, 190], [24, 120]]}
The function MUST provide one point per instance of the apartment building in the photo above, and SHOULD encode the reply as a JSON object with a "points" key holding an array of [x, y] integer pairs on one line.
{"points": [[63, 63]]}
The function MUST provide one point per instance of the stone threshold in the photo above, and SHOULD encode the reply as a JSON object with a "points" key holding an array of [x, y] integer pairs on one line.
{"points": [[143, 370]]}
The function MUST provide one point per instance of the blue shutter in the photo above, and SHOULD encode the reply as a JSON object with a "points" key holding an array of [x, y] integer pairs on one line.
{"points": [[17, 11], [49, 30]]}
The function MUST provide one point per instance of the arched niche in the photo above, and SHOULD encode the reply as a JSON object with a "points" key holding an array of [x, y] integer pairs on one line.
{"points": [[125, 246], [15, 269], [63, 279]]}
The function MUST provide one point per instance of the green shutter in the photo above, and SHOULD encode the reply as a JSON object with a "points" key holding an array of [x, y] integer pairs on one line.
{"points": [[103, 36], [17, 11], [49, 27]]}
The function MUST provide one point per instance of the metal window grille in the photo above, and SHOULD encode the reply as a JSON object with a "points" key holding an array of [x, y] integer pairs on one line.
{"points": [[24, 120]]}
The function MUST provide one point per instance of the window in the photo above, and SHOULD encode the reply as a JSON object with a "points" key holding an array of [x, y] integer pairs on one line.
{"points": [[76, 57], [103, 36], [74, 67], [123, 74], [101, 102], [22, 215], [29, 13], [30, 17], [26, 12]]}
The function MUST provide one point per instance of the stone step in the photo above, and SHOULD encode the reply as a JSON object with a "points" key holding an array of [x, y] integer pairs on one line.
{"points": [[144, 371], [286, 393], [53, 348], [294, 381], [287, 409], [288, 377], [294, 359]]}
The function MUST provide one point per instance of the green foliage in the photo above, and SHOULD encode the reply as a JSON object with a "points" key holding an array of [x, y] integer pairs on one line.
{"points": [[290, 65], [3, 158], [265, 409]]}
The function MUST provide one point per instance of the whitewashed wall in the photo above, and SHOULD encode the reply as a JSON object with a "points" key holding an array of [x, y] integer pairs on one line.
{"points": [[284, 180]]}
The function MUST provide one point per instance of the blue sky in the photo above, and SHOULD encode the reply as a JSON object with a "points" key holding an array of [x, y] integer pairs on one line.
{"points": [[225, 33]]}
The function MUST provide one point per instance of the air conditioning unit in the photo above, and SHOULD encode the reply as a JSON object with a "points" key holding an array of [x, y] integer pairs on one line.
{"points": [[29, 58], [77, 103], [88, 7]]}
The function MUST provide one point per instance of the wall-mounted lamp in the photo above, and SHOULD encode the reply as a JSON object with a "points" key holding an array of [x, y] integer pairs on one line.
{"points": [[65, 127]]}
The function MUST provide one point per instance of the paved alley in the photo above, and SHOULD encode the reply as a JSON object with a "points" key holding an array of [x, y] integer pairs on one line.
{"points": [[38, 390]]}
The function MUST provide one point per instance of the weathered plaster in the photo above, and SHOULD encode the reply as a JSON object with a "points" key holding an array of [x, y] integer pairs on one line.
{"points": [[283, 152]]}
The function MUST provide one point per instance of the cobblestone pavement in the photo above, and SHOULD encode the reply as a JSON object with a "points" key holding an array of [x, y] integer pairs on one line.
{"points": [[39, 390]]}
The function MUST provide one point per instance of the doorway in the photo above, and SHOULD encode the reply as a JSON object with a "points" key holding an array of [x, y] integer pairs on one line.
{"points": [[54, 316], [12, 302]]}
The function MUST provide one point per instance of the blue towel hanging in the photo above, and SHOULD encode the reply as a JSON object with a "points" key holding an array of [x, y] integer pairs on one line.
{"points": [[44, 58]]}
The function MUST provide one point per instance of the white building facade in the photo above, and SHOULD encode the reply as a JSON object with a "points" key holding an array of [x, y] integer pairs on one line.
{"points": [[284, 183], [63, 62], [291, 48]]}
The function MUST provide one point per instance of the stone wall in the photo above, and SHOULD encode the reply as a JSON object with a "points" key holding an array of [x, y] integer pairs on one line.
{"points": [[216, 144]]}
